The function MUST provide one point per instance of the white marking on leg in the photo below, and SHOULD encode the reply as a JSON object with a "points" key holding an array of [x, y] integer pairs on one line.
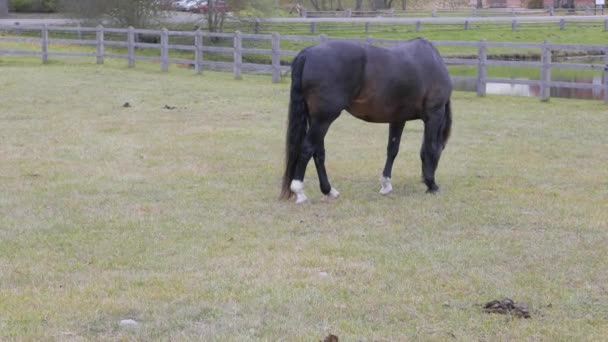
{"points": [[333, 193], [387, 187], [298, 188]]}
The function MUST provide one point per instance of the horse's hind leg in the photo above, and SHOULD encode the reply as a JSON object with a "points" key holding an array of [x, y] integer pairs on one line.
{"points": [[313, 145], [431, 148], [319, 158], [395, 130]]}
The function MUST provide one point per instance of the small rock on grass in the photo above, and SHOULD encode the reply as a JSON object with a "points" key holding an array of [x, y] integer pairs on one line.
{"points": [[128, 323]]}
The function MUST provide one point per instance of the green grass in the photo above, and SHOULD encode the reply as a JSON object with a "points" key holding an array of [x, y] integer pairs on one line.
{"points": [[171, 217]]}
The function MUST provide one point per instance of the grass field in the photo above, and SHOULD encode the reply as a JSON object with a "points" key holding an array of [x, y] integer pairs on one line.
{"points": [[170, 217]]}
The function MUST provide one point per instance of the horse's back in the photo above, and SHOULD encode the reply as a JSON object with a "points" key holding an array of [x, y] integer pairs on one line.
{"points": [[376, 84], [424, 60]]}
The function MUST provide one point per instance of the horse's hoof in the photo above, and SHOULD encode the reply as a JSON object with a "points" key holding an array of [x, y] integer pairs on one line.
{"points": [[386, 191], [434, 190], [297, 187], [333, 194], [301, 199], [387, 187]]}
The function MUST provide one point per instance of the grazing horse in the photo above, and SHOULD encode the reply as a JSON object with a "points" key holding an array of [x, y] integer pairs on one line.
{"points": [[394, 84]]}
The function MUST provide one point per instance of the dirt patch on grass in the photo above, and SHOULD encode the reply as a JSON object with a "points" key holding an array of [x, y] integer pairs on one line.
{"points": [[507, 307], [330, 338]]}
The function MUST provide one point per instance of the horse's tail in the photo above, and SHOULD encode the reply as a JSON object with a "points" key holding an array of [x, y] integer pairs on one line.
{"points": [[446, 124], [297, 124]]}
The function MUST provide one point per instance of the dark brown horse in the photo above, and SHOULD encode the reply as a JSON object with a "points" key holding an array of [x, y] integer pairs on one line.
{"points": [[395, 84]]}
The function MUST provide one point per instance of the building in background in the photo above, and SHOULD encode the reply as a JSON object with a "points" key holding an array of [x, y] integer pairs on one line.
{"points": [[3, 8], [496, 3], [532, 3], [569, 3]]}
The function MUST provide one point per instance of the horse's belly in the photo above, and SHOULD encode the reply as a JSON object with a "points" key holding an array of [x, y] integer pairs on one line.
{"points": [[367, 115], [375, 113]]}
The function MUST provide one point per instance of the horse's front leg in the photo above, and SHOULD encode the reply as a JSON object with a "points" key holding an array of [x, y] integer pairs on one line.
{"points": [[431, 149], [394, 139]]}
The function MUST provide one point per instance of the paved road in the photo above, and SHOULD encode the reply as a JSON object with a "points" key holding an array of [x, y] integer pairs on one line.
{"points": [[30, 21], [183, 17]]}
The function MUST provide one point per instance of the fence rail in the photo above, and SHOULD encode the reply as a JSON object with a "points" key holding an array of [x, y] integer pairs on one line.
{"points": [[450, 12], [237, 50], [365, 25]]}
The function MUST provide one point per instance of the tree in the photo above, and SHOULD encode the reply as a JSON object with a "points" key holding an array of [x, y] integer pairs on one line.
{"points": [[215, 13], [409, 3], [323, 5], [315, 4], [388, 3]]}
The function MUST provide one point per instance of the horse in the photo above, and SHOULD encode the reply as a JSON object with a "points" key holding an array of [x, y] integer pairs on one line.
{"points": [[392, 84]]}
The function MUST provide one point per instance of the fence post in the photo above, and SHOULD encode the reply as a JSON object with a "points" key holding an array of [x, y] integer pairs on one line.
{"points": [[481, 68], [367, 27], [466, 25], [313, 27], [256, 26], [100, 47], [198, 51], [551, 11], [605, 24], [45, 44], [606, 76], [474, 11], [164, 50], [545, 89], [418, 25], [514, 25], [238, 56], [276, 57], [434, 13], [562, 24], [17, 30], [131, 46], [79, 32]]}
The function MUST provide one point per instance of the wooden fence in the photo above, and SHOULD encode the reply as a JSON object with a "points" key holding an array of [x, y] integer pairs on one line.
{"points": [[451, 12], [481, 62], [464, 22]]}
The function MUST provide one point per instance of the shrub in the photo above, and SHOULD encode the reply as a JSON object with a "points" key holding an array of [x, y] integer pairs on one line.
{"points": [[33, 5]]}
